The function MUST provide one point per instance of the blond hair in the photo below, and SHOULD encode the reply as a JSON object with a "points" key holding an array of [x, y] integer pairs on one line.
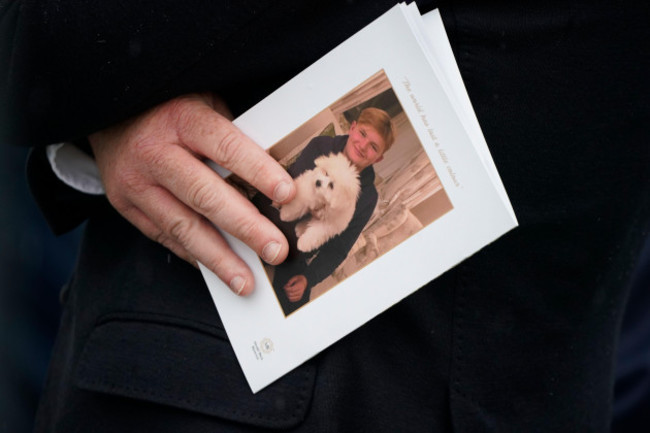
{"points": [[380, 121]]}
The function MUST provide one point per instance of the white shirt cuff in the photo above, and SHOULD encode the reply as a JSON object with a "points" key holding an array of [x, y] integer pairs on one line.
{"points": [[75, 168]]}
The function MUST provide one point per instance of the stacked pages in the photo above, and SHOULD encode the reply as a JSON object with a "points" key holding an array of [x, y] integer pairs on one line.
{"points": [[440, 198]]}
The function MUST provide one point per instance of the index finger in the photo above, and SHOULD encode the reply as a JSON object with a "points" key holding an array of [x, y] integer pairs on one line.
{"points": [[212, 135]]}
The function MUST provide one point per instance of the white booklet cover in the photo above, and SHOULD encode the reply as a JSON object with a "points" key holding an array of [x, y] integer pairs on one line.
{"points": [[440, 198]]}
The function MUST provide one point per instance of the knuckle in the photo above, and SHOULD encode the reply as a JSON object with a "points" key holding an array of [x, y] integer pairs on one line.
{"points": [[154, 156], [181, 109], [187, 119], [180, 230], [203, 198], [131, 182], [228, 147], [172, 246], [163, 240]]}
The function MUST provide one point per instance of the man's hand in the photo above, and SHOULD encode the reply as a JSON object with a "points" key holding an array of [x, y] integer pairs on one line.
{"points": [[295, 287], [154, 175]]}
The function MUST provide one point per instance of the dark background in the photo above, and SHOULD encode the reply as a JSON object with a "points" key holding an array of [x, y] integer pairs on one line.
{"points": [[34, 265]]}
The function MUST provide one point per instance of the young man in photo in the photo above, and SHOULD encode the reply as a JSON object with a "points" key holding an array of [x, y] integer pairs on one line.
{"points": [[368, 139]]}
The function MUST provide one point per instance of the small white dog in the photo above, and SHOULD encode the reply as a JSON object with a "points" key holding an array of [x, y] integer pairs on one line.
{"points": [[329, 192]]}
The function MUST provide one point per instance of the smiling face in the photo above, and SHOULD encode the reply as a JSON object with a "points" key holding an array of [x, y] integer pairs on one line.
{"points": [[365, 146]]}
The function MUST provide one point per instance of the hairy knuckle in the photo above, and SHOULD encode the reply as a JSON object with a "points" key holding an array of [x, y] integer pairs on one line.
{"points": [[154, 157], [130, 183], [186, 118], [193, 118]]}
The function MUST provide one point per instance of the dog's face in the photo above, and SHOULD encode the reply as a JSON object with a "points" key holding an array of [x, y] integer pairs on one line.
{"points": [[330, 191], [323, 186], [336, 180]]}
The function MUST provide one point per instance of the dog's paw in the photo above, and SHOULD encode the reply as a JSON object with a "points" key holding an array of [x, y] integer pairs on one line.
{"points": [[310, 240], [306, 246], [290, 212]]}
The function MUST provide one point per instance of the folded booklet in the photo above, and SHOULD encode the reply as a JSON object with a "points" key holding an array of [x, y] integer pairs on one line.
{"points": [[381, 210]]}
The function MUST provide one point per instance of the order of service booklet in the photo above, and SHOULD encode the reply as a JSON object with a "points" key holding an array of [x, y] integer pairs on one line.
{"points": [[439, 196]]}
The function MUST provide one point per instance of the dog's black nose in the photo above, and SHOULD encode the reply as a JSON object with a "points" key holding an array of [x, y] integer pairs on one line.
{"points": [[318, 183]]}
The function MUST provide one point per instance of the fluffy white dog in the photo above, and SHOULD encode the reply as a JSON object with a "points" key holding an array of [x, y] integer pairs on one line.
{"points": [[329, 193]]}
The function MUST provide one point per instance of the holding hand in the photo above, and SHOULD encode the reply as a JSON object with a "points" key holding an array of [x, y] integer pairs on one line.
{"points": [[154, 175]]}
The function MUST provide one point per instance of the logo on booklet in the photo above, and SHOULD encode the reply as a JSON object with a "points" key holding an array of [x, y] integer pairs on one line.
{"points": [[266, 345]]}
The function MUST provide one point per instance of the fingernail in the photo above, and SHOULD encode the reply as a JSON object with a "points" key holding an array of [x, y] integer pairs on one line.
{"points": [[271, 251], [237, 284], [282, 191]]}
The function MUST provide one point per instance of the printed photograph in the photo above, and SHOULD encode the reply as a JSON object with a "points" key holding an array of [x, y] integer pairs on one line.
{"points": [[364, 185]]}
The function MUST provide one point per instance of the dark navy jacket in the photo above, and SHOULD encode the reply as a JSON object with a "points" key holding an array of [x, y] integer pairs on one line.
{"points": [[520, 337]]}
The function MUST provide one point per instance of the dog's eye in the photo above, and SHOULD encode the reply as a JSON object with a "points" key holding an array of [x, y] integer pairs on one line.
{"points": [[318, 183], [326, 174], [331, 185]]}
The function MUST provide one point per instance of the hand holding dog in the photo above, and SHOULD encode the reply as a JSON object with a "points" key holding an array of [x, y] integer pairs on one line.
{"points": [[154, 175]]}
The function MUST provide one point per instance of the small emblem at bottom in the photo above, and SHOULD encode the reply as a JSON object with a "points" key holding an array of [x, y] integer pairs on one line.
{"points": [[266, 345]]}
